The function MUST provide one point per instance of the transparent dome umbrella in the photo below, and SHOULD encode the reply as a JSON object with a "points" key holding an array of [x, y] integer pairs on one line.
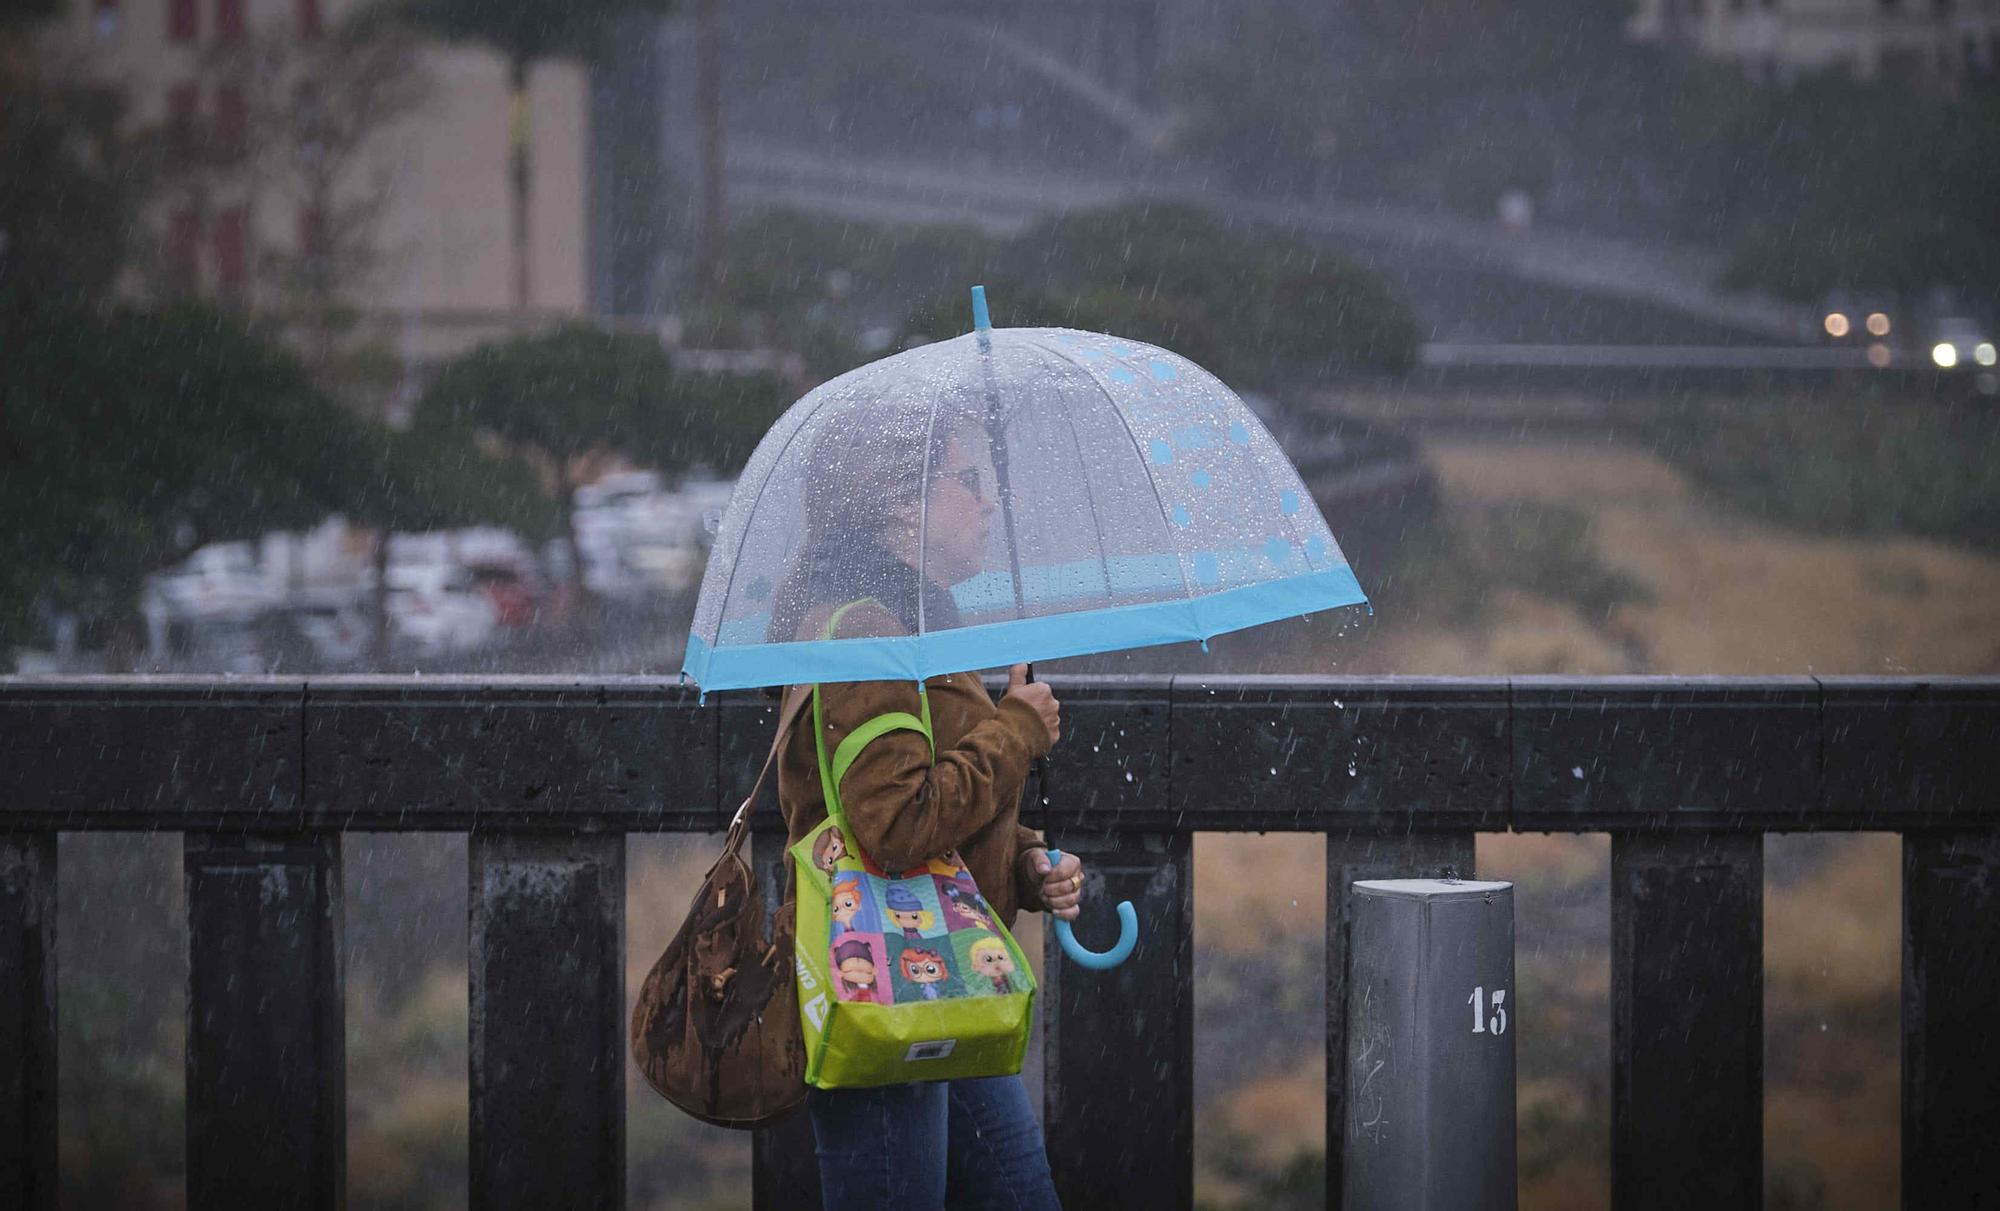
{"points": [[1010, 495]]}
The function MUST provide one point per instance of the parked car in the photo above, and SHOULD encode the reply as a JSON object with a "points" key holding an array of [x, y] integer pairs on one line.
{"points": [[640, 538], [220, 580], [515, 589], [332, 633], [434, 610]]}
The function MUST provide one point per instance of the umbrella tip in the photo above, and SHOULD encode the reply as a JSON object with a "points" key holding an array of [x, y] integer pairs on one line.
{"points": [[981, 321]]}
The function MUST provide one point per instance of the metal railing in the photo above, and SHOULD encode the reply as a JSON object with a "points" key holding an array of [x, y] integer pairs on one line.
{"points": [[548, 775]]}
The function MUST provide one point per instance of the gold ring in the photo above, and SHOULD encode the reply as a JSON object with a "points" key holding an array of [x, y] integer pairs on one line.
{"points": [[1075, 882]]}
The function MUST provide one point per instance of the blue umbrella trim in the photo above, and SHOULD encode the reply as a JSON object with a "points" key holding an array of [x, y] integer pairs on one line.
{"points": [[989, 645]]}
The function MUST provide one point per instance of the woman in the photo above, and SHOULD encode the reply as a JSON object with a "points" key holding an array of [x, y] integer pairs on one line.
{"points": [[890, 526]]}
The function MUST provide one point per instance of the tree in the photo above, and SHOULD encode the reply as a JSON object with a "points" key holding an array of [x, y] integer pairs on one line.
{"points": [[440, 478], [130, 439], [1253, 307], [566, 399], [302, 135], [15, 14], [137, 437], [315, 110], [64, 190], [554, 400], [522, 32]]}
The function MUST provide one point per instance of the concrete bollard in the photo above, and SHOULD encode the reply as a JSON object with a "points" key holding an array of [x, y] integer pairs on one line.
{"points": [[1431, 1015]]}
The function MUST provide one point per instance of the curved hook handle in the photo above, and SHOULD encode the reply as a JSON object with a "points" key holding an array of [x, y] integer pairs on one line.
{"points": [[1128, 936]]}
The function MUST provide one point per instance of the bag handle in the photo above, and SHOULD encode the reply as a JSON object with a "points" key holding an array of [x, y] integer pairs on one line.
{"points": [[788, 714]]}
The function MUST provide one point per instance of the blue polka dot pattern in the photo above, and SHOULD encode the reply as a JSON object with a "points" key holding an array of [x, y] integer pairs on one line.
{"points": [[1199, 479], [1162, 453], [1120, 374], [1276, 549], [1288, 500], [1315, 547], [1205, 571], [1182, 517], [1163, 370], [1239, 434]]}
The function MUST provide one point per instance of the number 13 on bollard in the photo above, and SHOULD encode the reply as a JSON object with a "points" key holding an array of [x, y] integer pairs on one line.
{"points": [[1430, 1095]]}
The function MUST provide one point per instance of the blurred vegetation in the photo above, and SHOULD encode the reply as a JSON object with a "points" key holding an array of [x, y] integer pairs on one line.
{"points": [[1254, 307], [1451, 571], [1846, 465], [1819, 182], [122, 1105], [1300, 1185], [132, 437], [408, 1116], [65, 190], [121, 966], [554, 400]]}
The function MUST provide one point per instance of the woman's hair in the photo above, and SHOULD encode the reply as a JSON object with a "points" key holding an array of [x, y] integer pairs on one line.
{"points": [[867, 466]]}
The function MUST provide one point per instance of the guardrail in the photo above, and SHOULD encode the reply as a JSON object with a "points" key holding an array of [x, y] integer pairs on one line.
{"points": [[548, 775]]}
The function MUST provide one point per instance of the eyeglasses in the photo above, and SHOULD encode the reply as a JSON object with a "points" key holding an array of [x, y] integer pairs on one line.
{"points": [[967, 477]]}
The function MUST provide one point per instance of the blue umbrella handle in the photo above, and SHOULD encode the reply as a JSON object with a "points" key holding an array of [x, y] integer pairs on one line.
{"points": [[1128, 935]]}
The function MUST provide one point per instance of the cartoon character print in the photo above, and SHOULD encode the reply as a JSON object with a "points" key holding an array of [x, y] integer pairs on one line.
{"points": [[926, 969], [854, 971], [963, 909], [846, 903], [947, 864], [991, 958], [907, 912], [828, 849]]}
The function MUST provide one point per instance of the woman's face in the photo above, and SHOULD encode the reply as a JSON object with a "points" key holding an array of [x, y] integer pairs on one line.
{"points": [[963, 497]]}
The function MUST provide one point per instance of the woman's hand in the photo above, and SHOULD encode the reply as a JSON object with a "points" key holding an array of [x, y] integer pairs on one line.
{"points": [[1038, 696], [1061, 886]]}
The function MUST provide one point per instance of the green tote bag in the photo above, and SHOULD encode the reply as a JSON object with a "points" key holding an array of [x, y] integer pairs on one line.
{"points": [[904, 976]]}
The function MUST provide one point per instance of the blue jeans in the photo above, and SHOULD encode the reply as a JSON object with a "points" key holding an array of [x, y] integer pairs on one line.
{"points": [[923, 1146]]}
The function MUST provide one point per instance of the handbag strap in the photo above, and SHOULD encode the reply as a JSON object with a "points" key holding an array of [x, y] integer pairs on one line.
{"points": [[788, 714]]}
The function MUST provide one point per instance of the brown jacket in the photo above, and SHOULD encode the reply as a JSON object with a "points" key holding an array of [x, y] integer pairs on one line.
{"points": [[906, 807]]}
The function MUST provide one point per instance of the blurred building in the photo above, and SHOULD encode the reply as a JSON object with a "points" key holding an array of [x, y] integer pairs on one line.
{"points": [[431, 180], [1939, 43]]}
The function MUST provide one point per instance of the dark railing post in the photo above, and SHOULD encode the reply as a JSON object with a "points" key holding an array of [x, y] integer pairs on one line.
{"points": [[547, 962], [1687, 1020], [785, 1166], [1118, 1088], [28, 1021], [1351, 857], [266, 1070], [1951, 1007]]}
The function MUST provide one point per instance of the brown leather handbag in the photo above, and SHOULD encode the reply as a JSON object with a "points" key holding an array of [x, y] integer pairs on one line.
{"points": [[716, 1028]]}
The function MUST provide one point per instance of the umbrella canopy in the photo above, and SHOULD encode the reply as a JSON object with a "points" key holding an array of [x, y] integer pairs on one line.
{"points": [[1011, 495]]}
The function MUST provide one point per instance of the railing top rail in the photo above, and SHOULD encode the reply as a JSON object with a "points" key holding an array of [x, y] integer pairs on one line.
{"points": [[13, 684], [1142, 753]]}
